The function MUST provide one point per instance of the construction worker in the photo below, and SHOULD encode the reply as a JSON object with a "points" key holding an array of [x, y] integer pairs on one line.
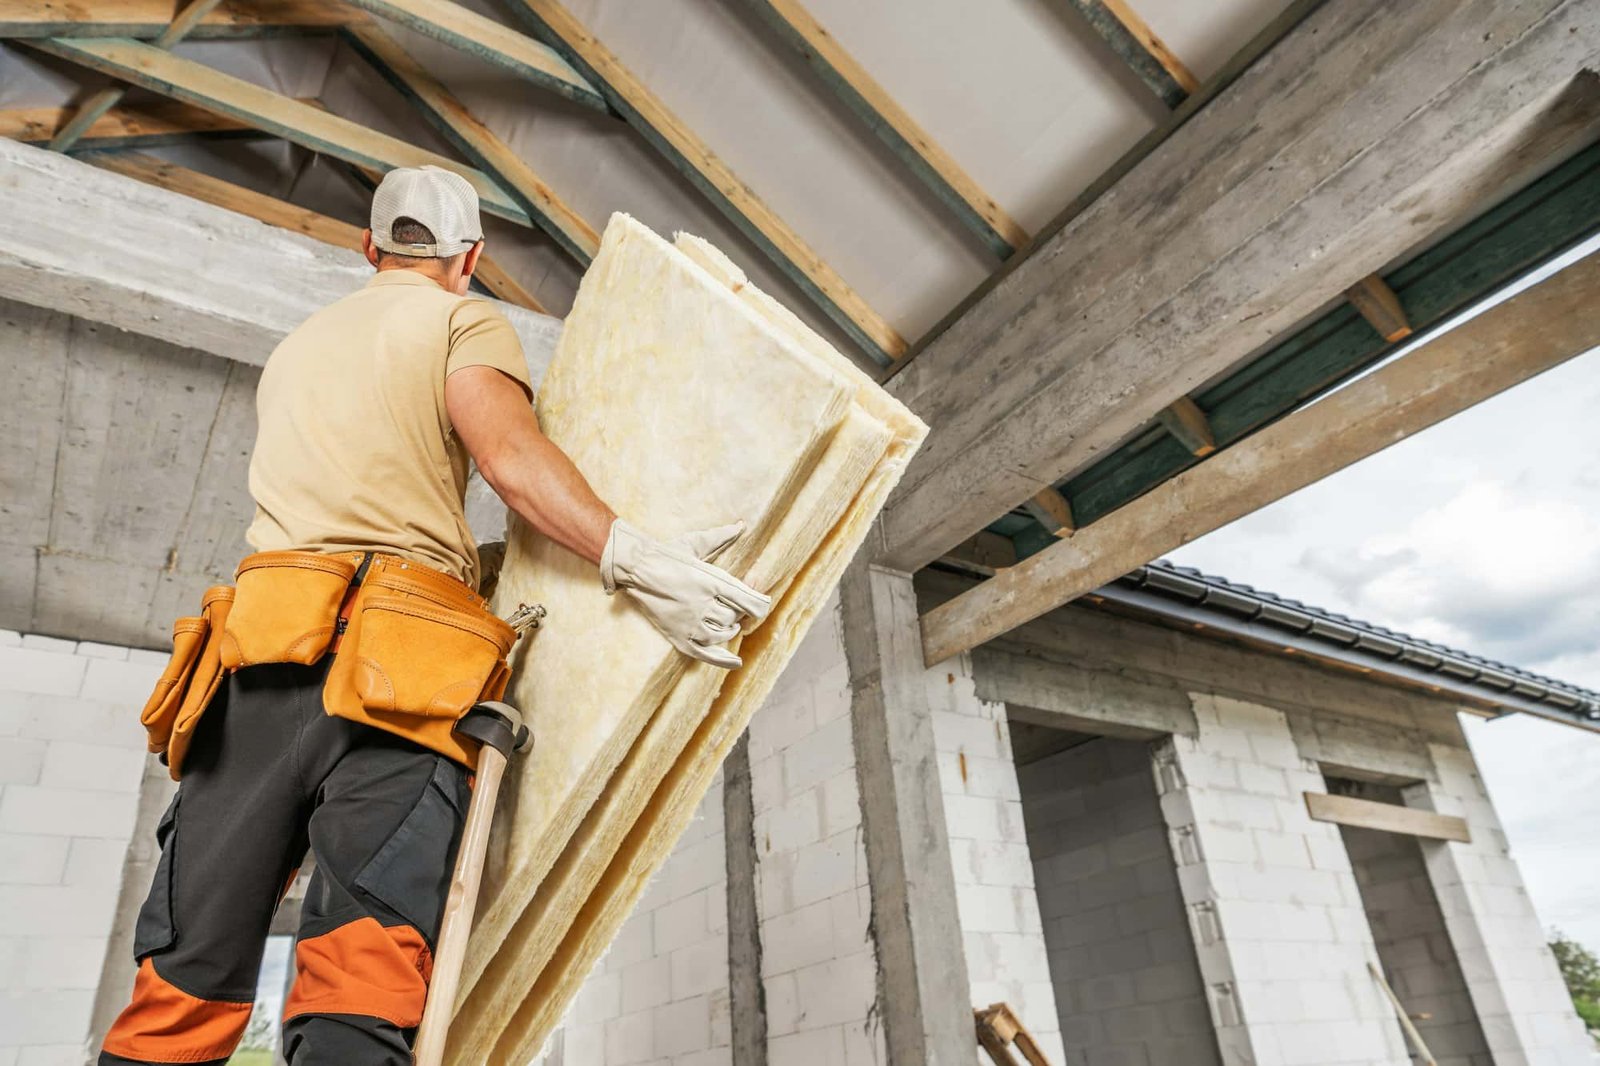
{"points": [[309, 708]]}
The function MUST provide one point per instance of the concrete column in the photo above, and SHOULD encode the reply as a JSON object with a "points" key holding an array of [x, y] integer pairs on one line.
{"points": [[1511, 974], [922, 968], [1001, 926], [1280, 934]]}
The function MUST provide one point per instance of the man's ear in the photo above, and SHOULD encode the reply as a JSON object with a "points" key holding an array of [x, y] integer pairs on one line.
{"points": [[369, 249], [470, 264]]}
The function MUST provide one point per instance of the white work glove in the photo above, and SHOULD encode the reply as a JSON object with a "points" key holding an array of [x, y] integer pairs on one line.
{"points": [[696, 606]]}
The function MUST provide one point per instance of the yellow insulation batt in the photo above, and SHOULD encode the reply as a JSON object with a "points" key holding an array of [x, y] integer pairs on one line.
{"points": [[690, 399]]}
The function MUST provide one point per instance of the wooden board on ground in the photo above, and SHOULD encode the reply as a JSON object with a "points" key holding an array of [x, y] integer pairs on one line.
{"points": [[690, 399]]}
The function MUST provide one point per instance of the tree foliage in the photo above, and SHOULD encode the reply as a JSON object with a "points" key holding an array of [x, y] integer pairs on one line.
{"points": [[1581, 970]]}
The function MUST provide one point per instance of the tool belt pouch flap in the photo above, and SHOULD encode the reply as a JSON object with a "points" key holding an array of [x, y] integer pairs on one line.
{"points": [[185, 702], [286, 608], [161, 711], [424, 658]]}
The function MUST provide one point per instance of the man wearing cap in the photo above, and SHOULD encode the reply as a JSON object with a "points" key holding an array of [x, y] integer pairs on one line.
{"points": [[368, 414]]}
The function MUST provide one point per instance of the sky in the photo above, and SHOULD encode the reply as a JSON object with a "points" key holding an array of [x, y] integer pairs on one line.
{"points": [[1483, 533]]}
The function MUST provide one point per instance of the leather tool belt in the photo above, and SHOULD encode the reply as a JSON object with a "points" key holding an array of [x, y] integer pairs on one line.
{"points": [[413, 648]]}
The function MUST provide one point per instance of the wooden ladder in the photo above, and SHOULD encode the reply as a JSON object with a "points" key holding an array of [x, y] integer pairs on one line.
{"points": [[998, 1029]]}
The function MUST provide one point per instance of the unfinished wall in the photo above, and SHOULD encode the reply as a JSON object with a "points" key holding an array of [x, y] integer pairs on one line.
{"points": [[1413, 944], [72, 756], [818, 966], [1126, 981], [660, 995], [1001, 925]]}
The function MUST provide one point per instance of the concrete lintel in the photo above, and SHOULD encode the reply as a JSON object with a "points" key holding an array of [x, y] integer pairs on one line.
{"points": [[1045, 692], [108, 249], [923, 992]]}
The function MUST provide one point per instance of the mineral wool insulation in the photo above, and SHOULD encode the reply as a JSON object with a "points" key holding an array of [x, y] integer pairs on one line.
{"points": [[690, 399]]}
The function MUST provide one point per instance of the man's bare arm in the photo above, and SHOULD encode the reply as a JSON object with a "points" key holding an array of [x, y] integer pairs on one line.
{"points": [[493, 418]]}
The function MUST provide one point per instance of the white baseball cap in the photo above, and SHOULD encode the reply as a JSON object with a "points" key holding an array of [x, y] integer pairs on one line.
{"points": [[443, 201]]}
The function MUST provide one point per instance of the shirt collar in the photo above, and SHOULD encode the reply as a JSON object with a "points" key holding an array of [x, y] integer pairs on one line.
{"points": [[402, 277]]}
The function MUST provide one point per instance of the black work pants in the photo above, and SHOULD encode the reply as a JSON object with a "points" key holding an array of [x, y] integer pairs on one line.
{"points": [[269, 777]]}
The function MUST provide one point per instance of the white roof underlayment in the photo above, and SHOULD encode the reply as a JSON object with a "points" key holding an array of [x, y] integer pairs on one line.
{"points": [[1022, 93]]}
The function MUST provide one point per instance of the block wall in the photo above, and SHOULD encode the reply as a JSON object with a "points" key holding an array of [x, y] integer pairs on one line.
{"points": [[1127, 985], [1511, 975], [660, 994], [1414, 947], [1279, 930], [72, 755], [1001, 926], [818, 965]]}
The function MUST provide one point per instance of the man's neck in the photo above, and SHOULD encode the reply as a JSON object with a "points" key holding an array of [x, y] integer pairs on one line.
{"points": [[433, 274]]}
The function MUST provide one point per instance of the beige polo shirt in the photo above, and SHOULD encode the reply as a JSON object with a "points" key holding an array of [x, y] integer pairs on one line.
{"points": [[355, 450]]}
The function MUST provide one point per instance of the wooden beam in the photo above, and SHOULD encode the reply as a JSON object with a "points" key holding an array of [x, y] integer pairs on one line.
{"points": [[1380, 306], [1137, 45], [304, 124], [212, 190], [492, 42], [897, 129], [144, 124], [1185, 421], [665, 132], [89, 112], [1053, 511], [150, 18], [1508, 344], [1171, 279], [476, 141], [503, 286], [1388, 817]]}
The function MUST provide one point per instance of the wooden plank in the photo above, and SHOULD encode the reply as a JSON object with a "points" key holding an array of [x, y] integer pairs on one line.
{"points": [[502, 285], [492, 42], [1524, 336], [144, 124], [1173, 280], [105, 99], [1137, 45], [1421, 1046], [1388, 817], [1185, 421], [1380, 306], [476, 141], [1053, 511], [212, 190], [665, 132], [150, 18], [898, 130], [304, 124], [1154, 45]]}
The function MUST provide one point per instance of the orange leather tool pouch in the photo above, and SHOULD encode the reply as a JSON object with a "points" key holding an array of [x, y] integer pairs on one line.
{"points": [[286, 608], [190, 679], [420, 650]]}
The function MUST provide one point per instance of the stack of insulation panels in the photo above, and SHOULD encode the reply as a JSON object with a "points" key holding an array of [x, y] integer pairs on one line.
{"points": [[690, 399]]}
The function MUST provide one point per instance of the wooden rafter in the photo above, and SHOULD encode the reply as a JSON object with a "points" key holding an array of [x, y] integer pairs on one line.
{"points": [[477, 142], [280, 213], [665, 132], [144, 124], [144, 19], [1531, 332], [1137, 45], [1185, 421], [1051, 510], [491, 42], [1379, 305], [304, 124], [104, 100], [898, 130]]}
